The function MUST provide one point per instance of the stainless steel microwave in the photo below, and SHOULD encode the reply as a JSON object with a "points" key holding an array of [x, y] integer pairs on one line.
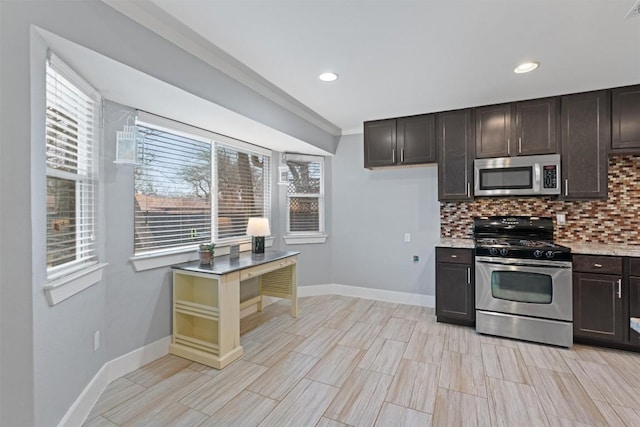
{"points": [[517, 176]]}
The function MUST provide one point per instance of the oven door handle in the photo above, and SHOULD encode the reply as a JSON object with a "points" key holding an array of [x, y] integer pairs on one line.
{"points": [[524, 264]]}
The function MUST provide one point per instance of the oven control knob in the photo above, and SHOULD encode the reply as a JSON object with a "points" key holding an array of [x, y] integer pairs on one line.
{"points": [[537, 253], [504, 252], [549, 254], [493, 251]]}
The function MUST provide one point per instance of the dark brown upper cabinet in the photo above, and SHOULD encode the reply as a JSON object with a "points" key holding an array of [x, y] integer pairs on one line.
{"points": [[493, 130], [517, 129], [586, 136], [625, 109], [401, 141], [380, 143], [536, 127], [454, 134]]}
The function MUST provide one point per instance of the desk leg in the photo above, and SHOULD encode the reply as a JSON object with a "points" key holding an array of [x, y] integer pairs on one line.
{"points": [[229, 314], [294, 291]]}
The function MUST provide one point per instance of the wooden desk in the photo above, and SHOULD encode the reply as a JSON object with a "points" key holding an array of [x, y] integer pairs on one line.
{"points": [[206, 302]]}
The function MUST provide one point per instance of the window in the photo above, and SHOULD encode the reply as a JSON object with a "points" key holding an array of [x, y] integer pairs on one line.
{"points": [[194, 186], [305, 199], [243, 188], [172, 206], [71, 133]]}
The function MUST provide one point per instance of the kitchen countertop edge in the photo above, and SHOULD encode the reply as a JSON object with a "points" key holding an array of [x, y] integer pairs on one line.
{"points": [[449, 242], [588, 248]]}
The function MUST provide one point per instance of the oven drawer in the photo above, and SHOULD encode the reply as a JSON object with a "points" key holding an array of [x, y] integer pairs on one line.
{"points": [[454, 255], [634, 266], [597, 264]]}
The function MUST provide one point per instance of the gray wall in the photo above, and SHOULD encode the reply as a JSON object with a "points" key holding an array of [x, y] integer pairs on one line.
{"points": [[47, 352], [371, 212]]}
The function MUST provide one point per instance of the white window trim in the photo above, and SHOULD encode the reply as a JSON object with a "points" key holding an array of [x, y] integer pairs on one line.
{"points": [[305, 237], [66, 280], [60, 289], [162, 259]]}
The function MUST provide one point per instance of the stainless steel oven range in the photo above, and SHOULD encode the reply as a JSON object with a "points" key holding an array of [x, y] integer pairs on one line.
{"points": [[523, 280]]}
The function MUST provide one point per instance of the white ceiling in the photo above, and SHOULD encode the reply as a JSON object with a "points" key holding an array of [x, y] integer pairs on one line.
{"points": [[400, 58]]}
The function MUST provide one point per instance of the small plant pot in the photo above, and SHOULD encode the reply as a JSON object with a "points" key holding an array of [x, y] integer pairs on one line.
{"points": [[206, 257]]}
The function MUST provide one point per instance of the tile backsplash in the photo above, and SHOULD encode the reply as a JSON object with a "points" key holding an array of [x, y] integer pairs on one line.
{"points": [[615, 220]]}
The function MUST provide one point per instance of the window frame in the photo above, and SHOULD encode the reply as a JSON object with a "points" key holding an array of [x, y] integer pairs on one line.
{"points": [[306, 237], [86, 182], [67, 279], [162, 257]]}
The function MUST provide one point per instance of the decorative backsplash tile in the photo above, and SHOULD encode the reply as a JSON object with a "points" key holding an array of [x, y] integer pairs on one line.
{"points": [[616, 220]]}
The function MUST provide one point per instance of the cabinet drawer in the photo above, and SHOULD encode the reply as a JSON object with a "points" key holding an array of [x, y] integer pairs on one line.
{"points": [[597, 264], [259, 270], [454, 255], [634, 266]]}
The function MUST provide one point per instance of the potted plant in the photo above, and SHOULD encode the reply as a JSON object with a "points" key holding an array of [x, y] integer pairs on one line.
{"points": [[205, 251]]}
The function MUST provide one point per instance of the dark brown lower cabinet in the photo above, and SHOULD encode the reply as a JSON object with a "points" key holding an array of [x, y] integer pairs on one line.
{"points": [[598, 307], [455, 286]]}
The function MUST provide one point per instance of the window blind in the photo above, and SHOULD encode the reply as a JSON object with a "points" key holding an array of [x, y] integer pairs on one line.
{"points": [[71, 125], [243, 189], [172, 191], [305, 194]]}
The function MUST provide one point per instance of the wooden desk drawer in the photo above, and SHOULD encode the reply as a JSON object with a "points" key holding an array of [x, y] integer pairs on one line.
{"points": [[454, 255], [259, 270], [597, 264]]}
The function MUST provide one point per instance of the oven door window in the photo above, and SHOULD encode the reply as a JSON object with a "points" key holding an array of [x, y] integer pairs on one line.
{"points": [[506, 178], [522, 286]]}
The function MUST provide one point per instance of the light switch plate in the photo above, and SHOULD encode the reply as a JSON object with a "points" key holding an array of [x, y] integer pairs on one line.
{"points": [[561, 219], [407, 237]]}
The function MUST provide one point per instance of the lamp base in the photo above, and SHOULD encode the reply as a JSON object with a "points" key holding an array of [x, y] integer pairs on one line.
{"points": [[257, 244]]}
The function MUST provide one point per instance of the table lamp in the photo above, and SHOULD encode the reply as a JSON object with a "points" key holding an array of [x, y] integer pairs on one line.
{"points": [[257, 228]]}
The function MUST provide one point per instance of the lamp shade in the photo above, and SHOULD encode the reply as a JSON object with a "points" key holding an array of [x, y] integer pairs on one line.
{"points": [[258, 227]]}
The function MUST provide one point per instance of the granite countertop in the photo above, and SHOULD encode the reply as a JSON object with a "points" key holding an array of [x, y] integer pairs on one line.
{"points": [[603, 248], [448, 242], [223, 265]]}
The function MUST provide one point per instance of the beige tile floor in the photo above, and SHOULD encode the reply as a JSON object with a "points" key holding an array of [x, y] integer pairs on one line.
{"points": [[357, 362]]}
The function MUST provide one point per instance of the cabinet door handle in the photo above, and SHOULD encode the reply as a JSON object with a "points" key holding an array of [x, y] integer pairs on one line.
{"points": [[393, 155], [468, 275], [597, 265], [468, 189], [454, 256], [402, 156], [619, 288], [519, 145], [566, 187], [508, 147]]}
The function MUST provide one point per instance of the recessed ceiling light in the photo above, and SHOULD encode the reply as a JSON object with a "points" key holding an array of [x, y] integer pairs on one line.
{"points": [[525, 67], [328, 77]]}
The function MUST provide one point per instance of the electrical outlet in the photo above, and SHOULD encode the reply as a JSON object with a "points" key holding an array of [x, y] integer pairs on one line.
{"points": [[416, 258], [407, 237], [96, 340], [561, 219]]}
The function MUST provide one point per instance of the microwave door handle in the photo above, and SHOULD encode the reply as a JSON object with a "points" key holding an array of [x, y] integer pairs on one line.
{"points": [[536, 177]]}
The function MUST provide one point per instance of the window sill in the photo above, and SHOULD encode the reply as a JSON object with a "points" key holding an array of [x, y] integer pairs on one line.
{"points": [[304, 239], [165, 259], [65, 287]]}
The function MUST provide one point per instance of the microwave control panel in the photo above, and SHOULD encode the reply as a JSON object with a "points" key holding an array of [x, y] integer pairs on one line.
{"points": [[550, 176]]}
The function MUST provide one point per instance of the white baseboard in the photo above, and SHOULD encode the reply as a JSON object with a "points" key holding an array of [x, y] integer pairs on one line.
{"points": [[116, 368], [368, 293]]}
